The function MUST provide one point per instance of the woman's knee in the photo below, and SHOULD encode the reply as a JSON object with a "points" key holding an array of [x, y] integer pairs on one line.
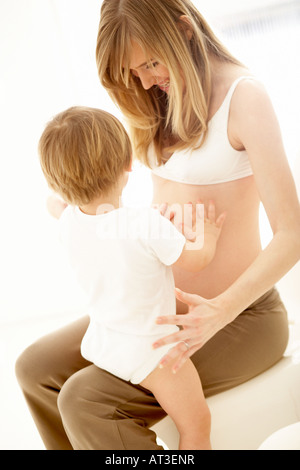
{"points": [[98, 416], [24, 368], [73, 403], [67, 398], [30, 366], [86, 395]]}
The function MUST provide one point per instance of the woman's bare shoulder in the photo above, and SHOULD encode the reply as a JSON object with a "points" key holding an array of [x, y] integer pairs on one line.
{"points": [[251, 110]]}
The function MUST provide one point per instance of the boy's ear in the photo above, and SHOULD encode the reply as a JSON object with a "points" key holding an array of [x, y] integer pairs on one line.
{"points": [[129, 169]]}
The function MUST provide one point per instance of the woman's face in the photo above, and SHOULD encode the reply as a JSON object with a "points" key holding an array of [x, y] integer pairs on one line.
{"points": [[149, 71]]}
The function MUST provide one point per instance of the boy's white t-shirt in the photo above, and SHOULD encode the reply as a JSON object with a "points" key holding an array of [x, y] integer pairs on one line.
{"points": [[122, 260]]}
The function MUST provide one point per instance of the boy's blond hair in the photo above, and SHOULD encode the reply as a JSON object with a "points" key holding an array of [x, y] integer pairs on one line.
{"points": [[83, 152]]}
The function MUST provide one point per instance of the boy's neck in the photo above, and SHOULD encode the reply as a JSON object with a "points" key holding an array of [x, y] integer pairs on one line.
{"points": [[109, 201], [102, 205]]}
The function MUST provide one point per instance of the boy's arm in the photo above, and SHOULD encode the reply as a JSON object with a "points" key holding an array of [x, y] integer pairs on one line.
{"points": [[200, 250], [56, 206]]}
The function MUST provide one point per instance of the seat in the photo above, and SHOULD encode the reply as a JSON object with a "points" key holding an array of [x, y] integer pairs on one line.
{"points": [[287, 438], [245, 416]]}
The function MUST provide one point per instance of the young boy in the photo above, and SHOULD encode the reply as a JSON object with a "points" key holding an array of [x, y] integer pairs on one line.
{"points": [[122, 258]]}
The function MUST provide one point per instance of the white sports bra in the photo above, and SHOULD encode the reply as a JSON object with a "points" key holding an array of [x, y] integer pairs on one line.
{"points": [[216, 161]]}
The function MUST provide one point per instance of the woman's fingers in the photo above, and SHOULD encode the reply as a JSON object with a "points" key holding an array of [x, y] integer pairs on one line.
{"points": [[180, 335], [189, 299], [179, 352], [173, 353], [182, 320], [184, 357]]}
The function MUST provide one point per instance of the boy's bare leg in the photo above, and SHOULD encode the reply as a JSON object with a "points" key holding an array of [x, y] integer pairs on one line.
{"points": [[181, 396]]}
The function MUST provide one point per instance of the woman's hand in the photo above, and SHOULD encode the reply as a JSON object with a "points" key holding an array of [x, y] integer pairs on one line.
{"points": [[203, 320]]}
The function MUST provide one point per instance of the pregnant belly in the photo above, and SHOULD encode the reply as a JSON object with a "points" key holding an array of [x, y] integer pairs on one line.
{"points": [[239, 242]]}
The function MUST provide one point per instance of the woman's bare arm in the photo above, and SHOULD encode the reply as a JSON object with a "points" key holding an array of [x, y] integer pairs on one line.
{"points": [[256, 129]]}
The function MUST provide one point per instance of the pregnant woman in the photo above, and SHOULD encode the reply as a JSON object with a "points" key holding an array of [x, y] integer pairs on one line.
{"points": [[206, 128]]}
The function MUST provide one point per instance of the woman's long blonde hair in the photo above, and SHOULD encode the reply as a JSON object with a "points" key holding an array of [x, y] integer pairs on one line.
{"points": [[174, 121]]}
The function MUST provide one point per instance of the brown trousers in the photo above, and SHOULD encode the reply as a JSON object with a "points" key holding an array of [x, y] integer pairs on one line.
{"points": [[76, 405]]}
